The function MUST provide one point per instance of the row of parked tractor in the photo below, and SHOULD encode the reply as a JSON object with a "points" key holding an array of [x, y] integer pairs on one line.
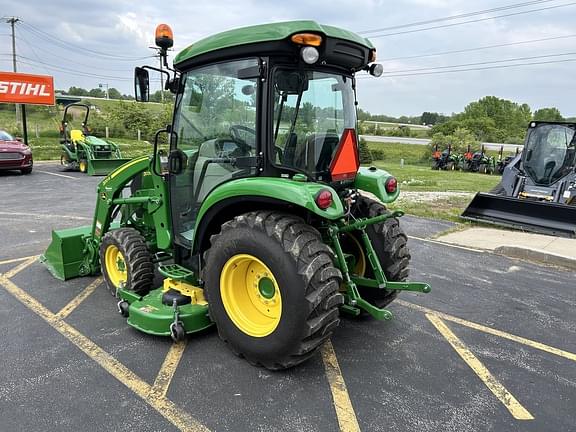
{"points": [[478, 161]]}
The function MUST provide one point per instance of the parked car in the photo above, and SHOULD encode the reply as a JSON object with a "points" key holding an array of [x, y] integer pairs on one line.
{"points": [[14, 154]]}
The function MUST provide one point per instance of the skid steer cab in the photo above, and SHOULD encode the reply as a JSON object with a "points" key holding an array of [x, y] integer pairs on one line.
{"points": [[256, 215], [82, 151]]}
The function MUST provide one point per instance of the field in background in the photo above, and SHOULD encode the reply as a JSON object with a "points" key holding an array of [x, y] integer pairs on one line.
{"points": [[426, 192]]}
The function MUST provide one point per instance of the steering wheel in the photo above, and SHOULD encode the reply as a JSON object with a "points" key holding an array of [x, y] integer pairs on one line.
{"points": [[235, 133]]}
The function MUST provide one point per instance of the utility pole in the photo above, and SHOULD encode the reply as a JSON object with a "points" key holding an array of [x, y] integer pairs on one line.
{"points": [[12, 21], [161, 74], [161, 80], [105, 85]]}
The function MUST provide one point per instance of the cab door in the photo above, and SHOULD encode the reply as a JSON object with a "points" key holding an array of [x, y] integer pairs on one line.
{"points": [[214, 139]]}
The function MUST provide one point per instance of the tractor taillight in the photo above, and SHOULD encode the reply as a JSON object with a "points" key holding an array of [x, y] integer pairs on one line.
{"points": [[345, 164], [391, 185], [323, 199]]}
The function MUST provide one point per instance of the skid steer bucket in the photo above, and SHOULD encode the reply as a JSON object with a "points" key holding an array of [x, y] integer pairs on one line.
{"points": [[65, 255], [98, 167], [526, 215]]}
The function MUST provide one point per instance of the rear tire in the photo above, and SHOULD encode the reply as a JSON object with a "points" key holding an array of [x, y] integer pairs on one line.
{"points": [[390, 243], [483, 168], [303, 283], [125, 261]]}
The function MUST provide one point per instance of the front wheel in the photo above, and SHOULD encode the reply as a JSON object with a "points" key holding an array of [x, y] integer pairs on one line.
{"points": [[272, 288], [126, 261]]}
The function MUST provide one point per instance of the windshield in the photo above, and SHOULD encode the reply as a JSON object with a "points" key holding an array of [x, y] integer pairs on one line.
{"points": [[5, 136], [549, 152], [311, 111]]}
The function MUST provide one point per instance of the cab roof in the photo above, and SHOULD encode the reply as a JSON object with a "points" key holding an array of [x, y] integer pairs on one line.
{"points": [[264, 33]]}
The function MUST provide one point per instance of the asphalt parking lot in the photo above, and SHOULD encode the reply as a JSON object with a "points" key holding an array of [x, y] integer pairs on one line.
{"points": [[492, 348]]}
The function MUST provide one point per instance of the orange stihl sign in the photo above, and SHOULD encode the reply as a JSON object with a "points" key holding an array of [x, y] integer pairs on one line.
{"points": [[26, 89]]}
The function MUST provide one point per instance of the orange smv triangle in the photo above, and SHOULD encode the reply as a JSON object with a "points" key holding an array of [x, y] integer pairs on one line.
{"points": [[345, 164]]}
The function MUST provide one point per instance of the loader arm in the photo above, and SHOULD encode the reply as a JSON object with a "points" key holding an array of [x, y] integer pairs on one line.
{"points": [[74, 252]]}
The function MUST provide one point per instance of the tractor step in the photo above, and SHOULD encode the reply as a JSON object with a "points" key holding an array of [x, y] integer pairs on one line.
{"points": [[176, 272]]}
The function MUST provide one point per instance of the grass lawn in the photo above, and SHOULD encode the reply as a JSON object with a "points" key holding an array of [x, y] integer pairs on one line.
{"points": [[428, 193]]}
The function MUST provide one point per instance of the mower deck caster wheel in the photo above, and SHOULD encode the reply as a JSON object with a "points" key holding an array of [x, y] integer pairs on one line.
{"points": [[123, 308], [177, 332]]}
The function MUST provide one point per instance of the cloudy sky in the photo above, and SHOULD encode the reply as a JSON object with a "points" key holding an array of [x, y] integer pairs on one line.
{"points": [[86, 43]]}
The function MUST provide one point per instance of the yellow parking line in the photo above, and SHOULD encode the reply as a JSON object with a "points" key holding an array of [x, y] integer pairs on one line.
{"points": [[14, 271], [75, 302], [344, 410], [167, 370], [537, 345], [509, 401], [165, 407], [13, 260]]}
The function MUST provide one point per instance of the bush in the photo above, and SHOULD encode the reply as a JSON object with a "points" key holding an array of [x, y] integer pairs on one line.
{"points": [[365, 156]]}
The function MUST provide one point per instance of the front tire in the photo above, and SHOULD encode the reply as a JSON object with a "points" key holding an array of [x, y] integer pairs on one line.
{"points": [[390, 243], [272, 288], [126, 261]]}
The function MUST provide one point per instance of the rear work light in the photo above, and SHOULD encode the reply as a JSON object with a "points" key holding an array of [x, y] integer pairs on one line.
{"points": [[323, 199], [391, 185]]}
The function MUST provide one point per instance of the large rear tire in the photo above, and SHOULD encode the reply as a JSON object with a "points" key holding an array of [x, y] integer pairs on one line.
{"points": [[126, 261], [390, 243], [272, 288]]}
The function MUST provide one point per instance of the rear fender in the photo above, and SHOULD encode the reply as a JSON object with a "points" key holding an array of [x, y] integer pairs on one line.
{"points": [[270, 192], [373, 180]]}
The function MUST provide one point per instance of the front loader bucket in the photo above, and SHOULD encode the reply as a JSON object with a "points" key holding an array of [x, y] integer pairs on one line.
{"points": [[526, 215], [65, 255], [99, 167]]}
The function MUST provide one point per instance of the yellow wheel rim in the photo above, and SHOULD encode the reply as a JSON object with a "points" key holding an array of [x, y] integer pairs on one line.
{"points": [[250, 295], [82, 166], [115, 266], [358, 252]]}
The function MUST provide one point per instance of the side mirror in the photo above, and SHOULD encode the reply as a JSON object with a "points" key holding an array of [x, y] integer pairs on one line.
{"points": [[141, 84], [18, 139]]}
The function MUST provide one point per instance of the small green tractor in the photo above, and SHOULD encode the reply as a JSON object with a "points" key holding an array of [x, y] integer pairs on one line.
{"points": [[445, 160], [255, 215], [84, 152]]}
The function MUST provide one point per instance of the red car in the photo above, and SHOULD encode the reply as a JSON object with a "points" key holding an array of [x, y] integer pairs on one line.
{"points": [[14, 155]]}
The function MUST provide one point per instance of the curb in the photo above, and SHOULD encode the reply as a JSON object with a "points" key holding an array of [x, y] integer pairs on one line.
{"points": [[538, 256]]}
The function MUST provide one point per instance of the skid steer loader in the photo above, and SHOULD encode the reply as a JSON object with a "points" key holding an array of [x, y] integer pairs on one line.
{"points": [[255, 217], [538, 188]]}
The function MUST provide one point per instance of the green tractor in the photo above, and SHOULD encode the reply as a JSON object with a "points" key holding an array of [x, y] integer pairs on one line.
{"points": [[256, 216], [84, 152]]}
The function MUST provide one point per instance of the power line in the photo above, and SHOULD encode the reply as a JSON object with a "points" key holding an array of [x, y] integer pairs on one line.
{"points": [[480, 63], [76, 63], [464, 50], [75, 48], [453, 17], [470, 21], [473, 69]]}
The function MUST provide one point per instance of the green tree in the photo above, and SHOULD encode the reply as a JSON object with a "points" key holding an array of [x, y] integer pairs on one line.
{"points": [[77, 91], [114, 93], [365, 156], [548, 114], [96, 92]]}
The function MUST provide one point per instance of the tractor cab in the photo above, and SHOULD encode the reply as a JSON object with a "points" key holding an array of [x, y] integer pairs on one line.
{"points": [[549, 152], [272, 100]]}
